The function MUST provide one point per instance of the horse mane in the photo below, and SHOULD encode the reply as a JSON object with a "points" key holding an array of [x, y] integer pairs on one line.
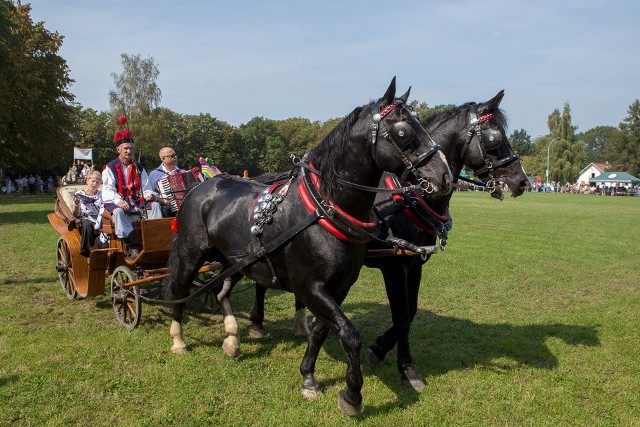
{"points": [[329, 154], [443, 116]]}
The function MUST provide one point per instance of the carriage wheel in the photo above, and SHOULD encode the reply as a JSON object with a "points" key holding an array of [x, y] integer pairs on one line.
{"points": [[126, 301], [64, 268], [208, 300]]}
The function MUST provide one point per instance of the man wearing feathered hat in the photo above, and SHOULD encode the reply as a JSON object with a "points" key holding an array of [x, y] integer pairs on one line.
{"points": [[126, 190]]}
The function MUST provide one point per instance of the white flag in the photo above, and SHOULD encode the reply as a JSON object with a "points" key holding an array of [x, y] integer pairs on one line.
{"points": [[83, 153]]}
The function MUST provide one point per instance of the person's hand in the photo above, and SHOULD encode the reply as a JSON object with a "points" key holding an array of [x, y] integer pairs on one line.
{"points": [[123, 205], [150, 197]]}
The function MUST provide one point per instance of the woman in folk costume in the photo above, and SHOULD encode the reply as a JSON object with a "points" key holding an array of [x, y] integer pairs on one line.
{"points": [[126, 190]]}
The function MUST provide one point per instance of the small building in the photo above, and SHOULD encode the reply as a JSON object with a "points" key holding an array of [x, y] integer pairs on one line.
{"points": [[615, 179], [592, 171]]}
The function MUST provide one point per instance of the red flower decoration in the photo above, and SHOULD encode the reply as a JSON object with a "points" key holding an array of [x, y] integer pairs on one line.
{"points": [[122, 120]]}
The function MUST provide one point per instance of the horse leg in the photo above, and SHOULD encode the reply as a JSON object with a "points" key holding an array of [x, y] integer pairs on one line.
{"points": [[300, 324], [405, 362], [182, 271], [310, 388], [395, 278], [328, 315], [257, 313], [231, 344]]}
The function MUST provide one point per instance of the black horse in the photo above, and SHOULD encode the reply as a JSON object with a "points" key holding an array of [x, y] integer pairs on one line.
{"points": [[307, 236], [471, 135]]}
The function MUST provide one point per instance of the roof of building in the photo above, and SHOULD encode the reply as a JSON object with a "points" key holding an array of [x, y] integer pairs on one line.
{"points": [[616, 177]]}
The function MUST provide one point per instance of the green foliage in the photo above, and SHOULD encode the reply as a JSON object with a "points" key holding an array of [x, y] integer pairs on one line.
{"points": [[538, 330], [595, 141], [35, 125], [137, 96], [93, 131], [624, 148], [565, 154], [521, 142]]}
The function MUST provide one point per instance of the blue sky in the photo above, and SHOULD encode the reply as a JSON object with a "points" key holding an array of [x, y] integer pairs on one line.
{"points": [[278, 59]]}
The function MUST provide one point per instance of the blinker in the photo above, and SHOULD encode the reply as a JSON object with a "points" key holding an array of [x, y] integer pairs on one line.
{"points": [[491, 139], [402, 133]]}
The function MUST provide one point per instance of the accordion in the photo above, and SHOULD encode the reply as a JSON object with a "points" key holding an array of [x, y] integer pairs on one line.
{"points": [[174, 187]]}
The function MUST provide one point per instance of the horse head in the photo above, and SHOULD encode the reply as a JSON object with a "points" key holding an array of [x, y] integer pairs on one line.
{"points": [[474, 135], [402, 145]]}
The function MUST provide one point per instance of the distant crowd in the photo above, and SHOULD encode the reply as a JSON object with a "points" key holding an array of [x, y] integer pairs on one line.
{"points": [[569, 187], [35, 184]]}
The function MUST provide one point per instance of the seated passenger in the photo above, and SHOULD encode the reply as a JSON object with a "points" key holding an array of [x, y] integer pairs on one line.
{"points": [[87, 209], [126, 191], [169, 166]]}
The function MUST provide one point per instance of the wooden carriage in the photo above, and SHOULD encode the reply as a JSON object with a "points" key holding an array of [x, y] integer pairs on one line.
{"points": [[85, 277]]}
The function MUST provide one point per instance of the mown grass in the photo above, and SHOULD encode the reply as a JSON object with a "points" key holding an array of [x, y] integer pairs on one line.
{"points": [[530, 317]]}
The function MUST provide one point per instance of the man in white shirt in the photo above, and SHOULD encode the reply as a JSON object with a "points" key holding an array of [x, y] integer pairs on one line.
{"points": [[169, 166], [126, 190]]}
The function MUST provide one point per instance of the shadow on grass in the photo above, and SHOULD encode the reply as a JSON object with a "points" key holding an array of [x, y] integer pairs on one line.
{"points": [[25, 217], [29, 280], [8, 380], [439, 344]]}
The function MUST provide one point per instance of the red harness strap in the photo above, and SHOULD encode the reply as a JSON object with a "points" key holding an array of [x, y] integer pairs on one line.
{"points": [[397, 197], [326, 223]]}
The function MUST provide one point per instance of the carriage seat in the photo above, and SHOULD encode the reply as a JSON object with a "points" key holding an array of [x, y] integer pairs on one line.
{"points": [[109, 228], [66, 203]]}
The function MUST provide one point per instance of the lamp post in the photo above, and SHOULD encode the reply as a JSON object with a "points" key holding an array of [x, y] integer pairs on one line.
{"points": [[548, 152]]}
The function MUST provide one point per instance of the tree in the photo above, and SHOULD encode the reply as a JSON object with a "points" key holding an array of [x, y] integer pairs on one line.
{"points": [[92, 131], [298, 134], [254, 135], [595, 141], [137, 96], [566, 155], [624, 148], [521, 142], [37, 116]]}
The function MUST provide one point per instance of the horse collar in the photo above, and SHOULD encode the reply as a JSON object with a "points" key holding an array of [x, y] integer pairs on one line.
{"points": [[336, 221]]}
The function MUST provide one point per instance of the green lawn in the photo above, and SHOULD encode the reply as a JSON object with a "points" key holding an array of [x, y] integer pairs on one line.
{"points": [[530, 317]]}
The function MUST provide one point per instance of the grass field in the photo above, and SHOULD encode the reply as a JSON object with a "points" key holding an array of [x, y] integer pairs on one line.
{"points": [[530, 317]]}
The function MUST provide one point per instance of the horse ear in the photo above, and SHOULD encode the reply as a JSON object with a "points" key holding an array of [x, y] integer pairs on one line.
{"points": [[404, 97], [390, 94], [492, 104]]}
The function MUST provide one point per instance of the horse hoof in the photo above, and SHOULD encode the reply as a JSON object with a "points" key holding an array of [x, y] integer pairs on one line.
{"points": [[310, 393], [255, 331], [413, 379], [231, 349], [371, 358], [347, 407], [179, 350]]}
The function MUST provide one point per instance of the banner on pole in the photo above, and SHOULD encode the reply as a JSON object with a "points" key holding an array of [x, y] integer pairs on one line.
{"points": [[83, 153]]}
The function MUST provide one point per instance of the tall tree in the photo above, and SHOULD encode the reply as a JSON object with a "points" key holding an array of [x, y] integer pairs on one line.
{"points": [[137, 96], [566, 155], [624, 149], [38, 114]]}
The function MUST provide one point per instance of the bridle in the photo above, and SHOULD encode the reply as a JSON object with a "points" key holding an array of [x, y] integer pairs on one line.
{"points": [[488, 139], [399, 136]]}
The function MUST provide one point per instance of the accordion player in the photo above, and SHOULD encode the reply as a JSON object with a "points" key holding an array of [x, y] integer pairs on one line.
{"points": [[174, 187]]}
